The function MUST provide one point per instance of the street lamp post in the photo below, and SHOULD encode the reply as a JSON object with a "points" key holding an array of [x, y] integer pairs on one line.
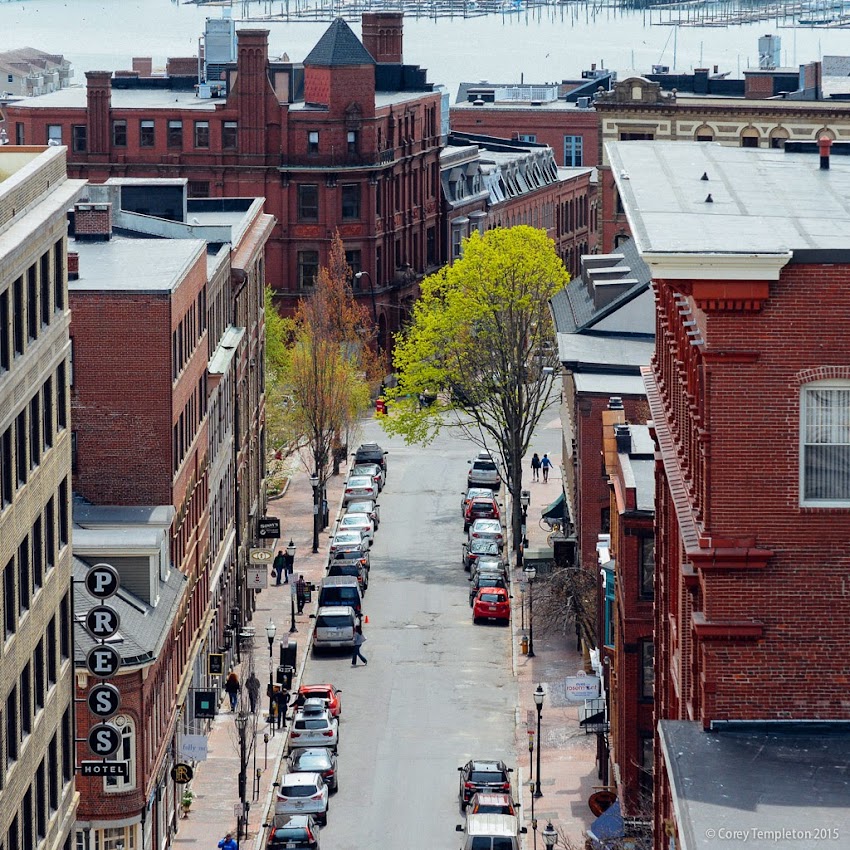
{"points": [[550, 837], [525, 501], [290, 550], [539, 696], [271, 630], [242, 728], [359, 276], [314, 482], [530, 574]]}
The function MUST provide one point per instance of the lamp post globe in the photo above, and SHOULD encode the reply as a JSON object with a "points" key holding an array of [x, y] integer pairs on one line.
{"points": [[271, 630], [550, 837], [290, 549]]}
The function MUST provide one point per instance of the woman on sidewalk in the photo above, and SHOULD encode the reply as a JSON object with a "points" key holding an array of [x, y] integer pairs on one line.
{"points": [[232, 687], [535, 467], [359, 640]]}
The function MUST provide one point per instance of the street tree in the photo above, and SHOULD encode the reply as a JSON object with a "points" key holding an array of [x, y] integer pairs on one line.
{"points": [[481, 342]]}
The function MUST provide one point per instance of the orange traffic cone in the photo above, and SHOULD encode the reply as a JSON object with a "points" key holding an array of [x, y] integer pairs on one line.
{"points": [[366, 619]]}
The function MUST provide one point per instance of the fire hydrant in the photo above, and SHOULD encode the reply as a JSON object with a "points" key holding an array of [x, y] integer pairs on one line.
{"points": [[380, 406], [523, 645]]}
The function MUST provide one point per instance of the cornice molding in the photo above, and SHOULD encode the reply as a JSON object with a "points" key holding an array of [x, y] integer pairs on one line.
{"points": [[706, 266]]}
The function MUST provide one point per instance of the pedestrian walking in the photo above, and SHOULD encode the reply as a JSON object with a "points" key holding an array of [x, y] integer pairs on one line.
{"points": [[280, 698], [278, 565], [252, 685], [545, 465], [535, 467], [301, 593], [359, 640], [288, 566], [232, 687], [227, 843]]}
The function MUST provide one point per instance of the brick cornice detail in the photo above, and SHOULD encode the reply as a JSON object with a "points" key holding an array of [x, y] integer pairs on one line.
{"points": [[715, 356], [725, 630], [718, 559]]}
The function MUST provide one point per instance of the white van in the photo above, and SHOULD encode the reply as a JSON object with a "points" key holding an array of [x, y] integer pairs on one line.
{"points": [[491, 832], [334, 627]]}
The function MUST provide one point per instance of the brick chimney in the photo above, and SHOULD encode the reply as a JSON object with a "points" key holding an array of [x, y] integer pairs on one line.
{"points": [[382, 36], [98, 98], [73, 265], [92, 222], [252, 85], [144, 65]]}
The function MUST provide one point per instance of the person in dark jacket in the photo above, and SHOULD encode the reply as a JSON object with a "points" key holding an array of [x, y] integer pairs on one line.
{"points": [[252, 685], [279, 565], [232, 687], [301, 593]]}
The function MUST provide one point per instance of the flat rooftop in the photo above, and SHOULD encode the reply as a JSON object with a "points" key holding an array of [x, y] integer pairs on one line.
{"points": [[75, 97], [134, 265], [762, 201]]}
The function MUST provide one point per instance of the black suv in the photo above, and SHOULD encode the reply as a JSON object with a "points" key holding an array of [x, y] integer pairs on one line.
{"points": [[483, 775], [372, 453]]}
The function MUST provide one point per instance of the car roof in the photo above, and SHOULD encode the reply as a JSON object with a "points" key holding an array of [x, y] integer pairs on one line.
{"points": [[495, 825], [363, 500], [488, 521], [320, 687], [359, 481], [486, 588], [310, 752], [308, 778], [340, 581], [374, 446], [475, 499], [489, 799], [357, 515], [486, 764], [280, 821], [335, 610]]}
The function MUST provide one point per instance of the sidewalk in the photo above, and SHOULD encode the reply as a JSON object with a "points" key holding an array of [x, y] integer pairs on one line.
{"points": [[216, 780], [568, 755]]}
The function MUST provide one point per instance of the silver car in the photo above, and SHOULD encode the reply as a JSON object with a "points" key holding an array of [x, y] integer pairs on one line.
{"points": [[483, 472], [314, 726], [302, 794], [487, 529], [367, 506], [360, 487], [348, 540], [358, 522], [373, 470]]}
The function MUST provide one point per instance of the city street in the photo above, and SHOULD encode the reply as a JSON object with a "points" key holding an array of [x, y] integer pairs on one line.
{"points": [[437, 690]]}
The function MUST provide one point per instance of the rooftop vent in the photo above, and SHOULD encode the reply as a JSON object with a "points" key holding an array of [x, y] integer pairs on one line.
{"points": [[623, 436], [615, 402]]}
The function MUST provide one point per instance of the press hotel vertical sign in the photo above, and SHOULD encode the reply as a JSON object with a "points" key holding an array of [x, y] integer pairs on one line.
{"points": [[103, 661]]}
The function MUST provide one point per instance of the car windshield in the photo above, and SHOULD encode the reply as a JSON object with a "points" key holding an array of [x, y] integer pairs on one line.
{"points": [[361, 507], [360, 481], [486, 776], [328, 621], [503, 843], [291, 833], [311, 723], [487, 465], [365, 469], [484, 547], [492, 810], [298, 790], [484, 580], [346, 568], [311, 762], [355, 519]]}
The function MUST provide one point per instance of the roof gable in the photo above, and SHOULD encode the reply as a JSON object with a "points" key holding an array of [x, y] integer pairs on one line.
{"points": [[339, 46]]}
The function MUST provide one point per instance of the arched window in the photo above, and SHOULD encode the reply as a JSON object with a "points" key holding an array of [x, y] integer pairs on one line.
{"points": [[704, 134], [750, 137], [126, 752], [825, 444], [778, 137]]}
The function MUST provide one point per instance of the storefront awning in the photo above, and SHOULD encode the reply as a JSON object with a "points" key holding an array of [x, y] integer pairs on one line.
{"points": [[557, 510], [607, 827]]}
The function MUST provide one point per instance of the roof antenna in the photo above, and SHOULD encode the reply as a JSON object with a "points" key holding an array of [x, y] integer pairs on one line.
{"points": [[709, 199]]}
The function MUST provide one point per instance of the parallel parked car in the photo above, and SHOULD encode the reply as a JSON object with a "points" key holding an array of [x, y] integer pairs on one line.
{"points": [[293, 831], [314, 726], [479, 548], [366, 506], [487, 775], [485, 579], [488, 564], [492, 804], [316, 760], [483, 472], [350, 567], [302, 793], [474, 493], [358, 522], [481, 507], [374, 470], [487, 529], [372, 453], [360, 487], [358, 555], [348, 540], [328, 693], [491, 603]]}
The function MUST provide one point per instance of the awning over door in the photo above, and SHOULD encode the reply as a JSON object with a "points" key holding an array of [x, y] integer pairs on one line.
{"points": [[557, 510]]}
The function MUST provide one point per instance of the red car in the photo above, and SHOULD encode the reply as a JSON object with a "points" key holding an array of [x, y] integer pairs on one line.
{"points": [[326, 692], [491, 603], [481, 507]]}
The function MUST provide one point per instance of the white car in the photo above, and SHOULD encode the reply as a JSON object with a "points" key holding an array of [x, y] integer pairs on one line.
{"points": [[360, 487], [347, 540], [302, 794], [372, 470], [314, 726], [366, 506], [358, 522], [487, 529]]}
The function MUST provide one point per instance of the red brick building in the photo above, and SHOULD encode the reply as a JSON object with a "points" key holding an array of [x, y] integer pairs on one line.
{"points": [[348, 142], [752, 487]]}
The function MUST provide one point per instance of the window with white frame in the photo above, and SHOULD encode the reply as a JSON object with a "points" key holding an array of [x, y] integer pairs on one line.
{"points": [[527, 137], [573, 151], [126, 752], [825, 444], [115, 838]]}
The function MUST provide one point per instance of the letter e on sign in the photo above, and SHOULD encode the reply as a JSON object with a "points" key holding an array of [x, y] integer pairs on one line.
{"points": [[103, 661], [102, 581]]}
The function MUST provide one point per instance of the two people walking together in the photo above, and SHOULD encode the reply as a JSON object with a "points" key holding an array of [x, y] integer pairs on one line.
{"points": [[537, 464]]}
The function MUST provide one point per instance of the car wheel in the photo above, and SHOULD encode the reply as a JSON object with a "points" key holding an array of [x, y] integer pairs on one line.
{"points": [[475, 620]]}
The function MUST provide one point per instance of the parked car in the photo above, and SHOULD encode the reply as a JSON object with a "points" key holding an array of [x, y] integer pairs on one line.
{"points": [[358, 522], [483, 472], [360, 487], [480, 508], [335, 625], [488, 564], [473, 493], [349, 540], [492, 804], [302, 793], [487, 529], [341, 590], [328, 693], [316, 760], [485, 579], [355, 555], [486, 775], [350, 567], [492, 603], [373, 470], [314, 726], [479, 548], [491, 832], [372, 453], [366, 506], [293, 831]]}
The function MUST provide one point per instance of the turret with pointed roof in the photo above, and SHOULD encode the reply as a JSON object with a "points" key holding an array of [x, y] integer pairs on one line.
{"points": [[339, 46]]}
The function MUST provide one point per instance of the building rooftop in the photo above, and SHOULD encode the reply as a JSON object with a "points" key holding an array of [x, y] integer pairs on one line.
{"points": [[339, 46], [608, 384], [75, 97], [762, 785], [134, 265], [604, 353], [762, 202]]}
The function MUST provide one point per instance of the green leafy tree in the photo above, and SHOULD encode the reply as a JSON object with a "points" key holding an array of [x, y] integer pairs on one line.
{"points": [[480, 340]]}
